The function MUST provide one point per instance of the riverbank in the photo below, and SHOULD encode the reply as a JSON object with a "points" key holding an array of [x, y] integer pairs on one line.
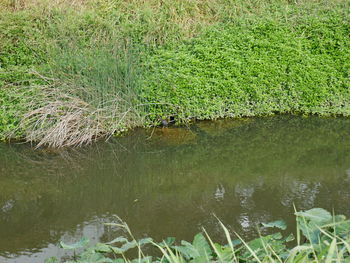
{"points": [[71, 73]]}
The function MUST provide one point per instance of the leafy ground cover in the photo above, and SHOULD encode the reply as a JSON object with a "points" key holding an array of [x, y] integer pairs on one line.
{"points": [[72, 72], [254, 68], [320, 237]]}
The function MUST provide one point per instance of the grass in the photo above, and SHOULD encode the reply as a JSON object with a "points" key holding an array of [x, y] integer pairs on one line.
{"points": [[320, 237], [75, 71]]}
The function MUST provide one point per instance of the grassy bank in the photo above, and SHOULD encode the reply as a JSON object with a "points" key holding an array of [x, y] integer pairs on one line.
{"points": [[72, 72], [320, 237]]}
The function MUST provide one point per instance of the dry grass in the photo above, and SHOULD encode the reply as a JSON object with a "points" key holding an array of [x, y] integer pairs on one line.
{"points": [[63, 123], [165, 17], [64, 120], [155, 21], [18, 5]]}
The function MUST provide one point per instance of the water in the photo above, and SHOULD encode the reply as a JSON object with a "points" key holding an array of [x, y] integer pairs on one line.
{"points": [[170, 182]]}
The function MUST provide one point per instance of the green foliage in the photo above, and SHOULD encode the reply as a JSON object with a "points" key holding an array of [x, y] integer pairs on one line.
{"points": [[329, 244], [14, 104], [279, 224], [21, 49], [135, 62], [81, 243], [8, 113], [20, 40], [252, 68], [198, 251]]}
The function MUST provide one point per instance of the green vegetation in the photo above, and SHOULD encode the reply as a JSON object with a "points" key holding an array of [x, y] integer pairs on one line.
{"points": [[320, 237], [72, 72], [254, 68]]}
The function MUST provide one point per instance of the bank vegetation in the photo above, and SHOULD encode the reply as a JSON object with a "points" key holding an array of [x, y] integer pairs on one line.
{"points": [[72, 72]]}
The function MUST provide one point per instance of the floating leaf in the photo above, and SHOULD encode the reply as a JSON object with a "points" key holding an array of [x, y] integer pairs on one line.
{"points": [[278, 224], [93, 257], [81, 243], [124, 248], [129, 245], [145, 241], [118, 240]]}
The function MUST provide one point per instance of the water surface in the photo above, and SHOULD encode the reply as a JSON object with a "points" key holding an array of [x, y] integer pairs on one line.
{"points": [[170, 181]]}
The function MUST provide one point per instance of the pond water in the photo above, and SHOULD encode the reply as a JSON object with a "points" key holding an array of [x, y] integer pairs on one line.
{"points": [[171, 181]]}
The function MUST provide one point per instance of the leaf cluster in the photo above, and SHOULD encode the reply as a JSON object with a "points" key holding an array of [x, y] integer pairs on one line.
{"points": [[326, 239]]}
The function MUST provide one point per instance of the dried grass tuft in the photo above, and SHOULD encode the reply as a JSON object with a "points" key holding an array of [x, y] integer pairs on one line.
{"points": [[64, 120]]}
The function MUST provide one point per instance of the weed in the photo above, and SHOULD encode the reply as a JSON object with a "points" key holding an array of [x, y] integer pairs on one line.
{"points": [[326, 240]]}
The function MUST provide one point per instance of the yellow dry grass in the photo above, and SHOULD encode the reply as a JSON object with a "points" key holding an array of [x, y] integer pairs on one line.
{"points": [[17, 5]]}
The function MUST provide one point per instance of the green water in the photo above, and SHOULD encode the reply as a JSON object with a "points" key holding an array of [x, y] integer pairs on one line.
{"points": [[170, 182]]}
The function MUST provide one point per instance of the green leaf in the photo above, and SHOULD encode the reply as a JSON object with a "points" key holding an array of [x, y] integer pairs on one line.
{"points": [[331, 251], [198, 249], [317, 215], [51, 260], [278, 224], [145, 241], [310, 222], [123, 248], [100, 247], [81, 243], [224, 253], [118, 240], [129, 245], [186, 250], [141, 260], [93, 257], [169, 241], [202, 246], [289, 238]]}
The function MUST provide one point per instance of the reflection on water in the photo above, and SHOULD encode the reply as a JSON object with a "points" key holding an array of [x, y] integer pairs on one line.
{"points": [[170, 182]]}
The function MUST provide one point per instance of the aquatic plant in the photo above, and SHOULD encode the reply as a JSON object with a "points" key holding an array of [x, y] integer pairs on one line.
{"points": [[320, 237]]}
